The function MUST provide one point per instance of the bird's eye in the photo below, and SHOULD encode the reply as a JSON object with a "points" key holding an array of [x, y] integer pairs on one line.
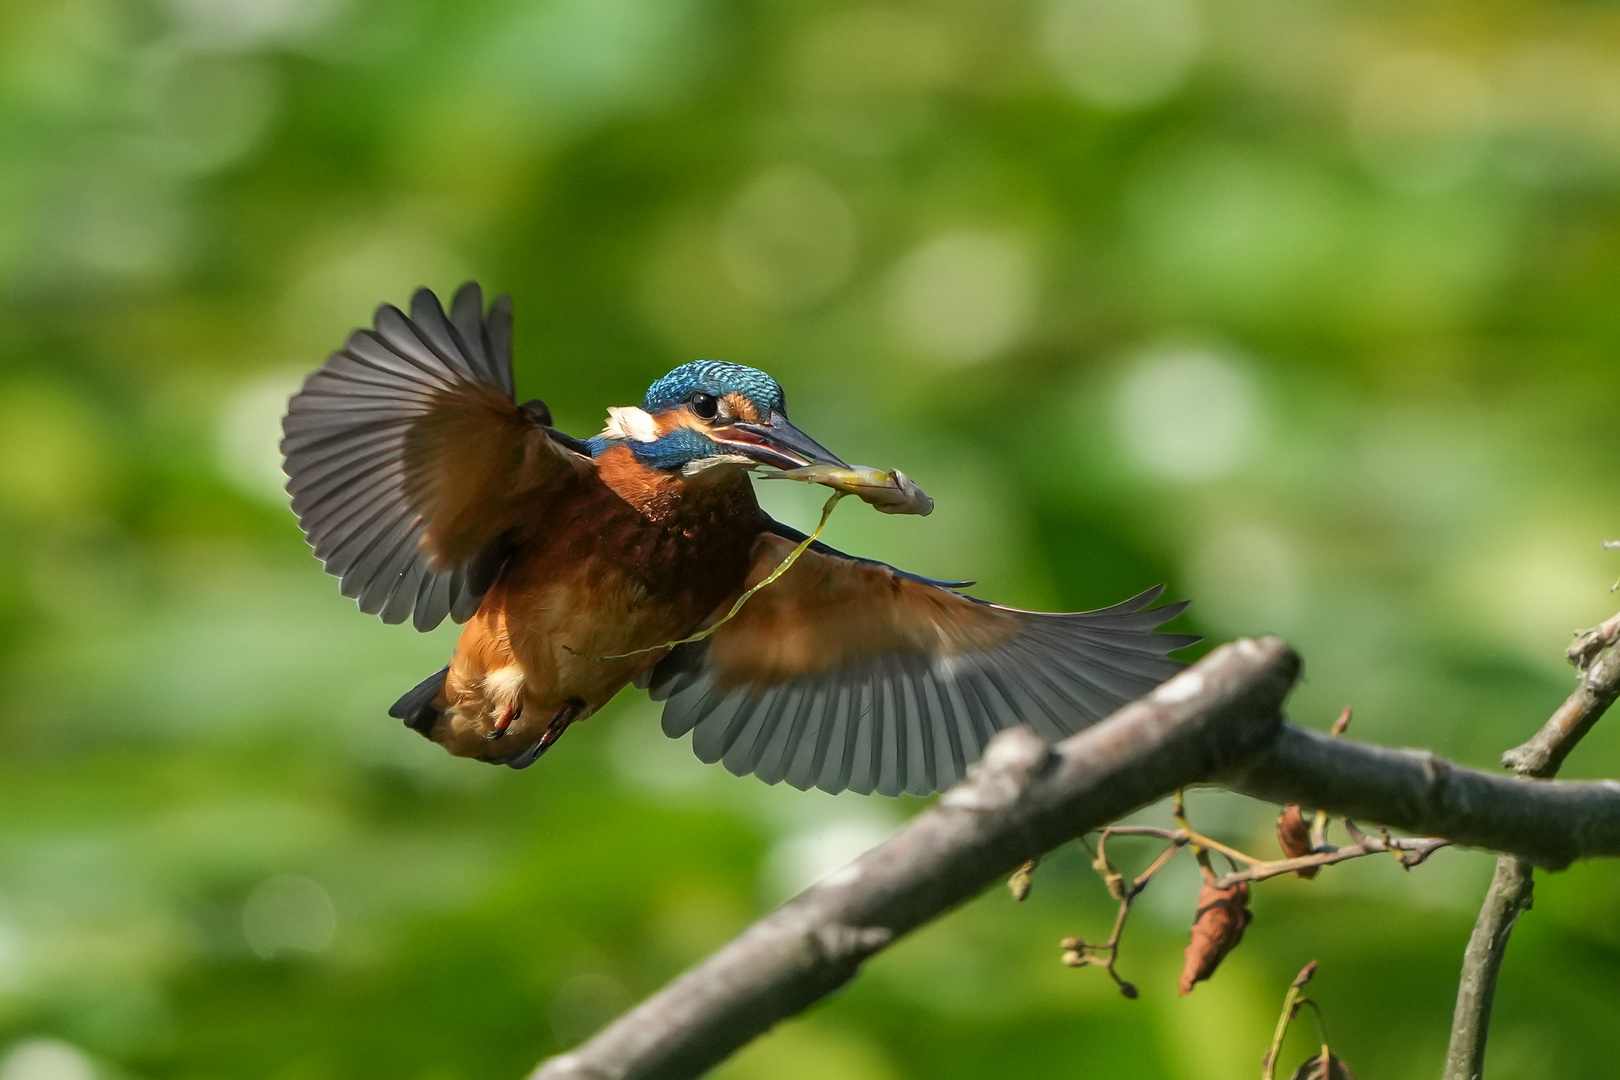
{"points": [[706, 406]]}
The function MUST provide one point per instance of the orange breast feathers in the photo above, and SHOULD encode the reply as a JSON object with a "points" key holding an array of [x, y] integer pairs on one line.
{"points": [[652, 492], [602, 577]]}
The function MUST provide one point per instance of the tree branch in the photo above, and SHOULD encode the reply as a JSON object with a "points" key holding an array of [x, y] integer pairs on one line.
{"points": [[1023, 799], [1513, 883], [1544, 754], [1552, 825], [1508, 898], [1217, 722]]}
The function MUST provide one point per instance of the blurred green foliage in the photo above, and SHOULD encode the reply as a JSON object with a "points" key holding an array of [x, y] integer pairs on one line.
{"points": [[1308, 309]]}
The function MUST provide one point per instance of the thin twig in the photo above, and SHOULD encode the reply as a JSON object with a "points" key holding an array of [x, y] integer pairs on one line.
{"points": [[1290, 1009], [1319, 827], [1594, 641], [1077, 952], [1508, 897], [1513, 882], [1599, 686], [1411, 851]]}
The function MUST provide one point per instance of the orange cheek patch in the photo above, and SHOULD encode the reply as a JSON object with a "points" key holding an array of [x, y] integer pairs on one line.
{"points": [[741, 408], [671, 419]]}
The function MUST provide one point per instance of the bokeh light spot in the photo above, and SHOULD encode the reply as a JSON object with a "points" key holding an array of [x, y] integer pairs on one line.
{"points": [[1559, 113], [964, 296], [125, 219], [209, 110], [248, 436], [52, 457], [1121, 54], [788, 240], [569, 64], [1248, 578], [1419, 120], [349, 270], [1187, 414], [46, 1059], [251, 24], [804, 857], [288, 914], [874, 50], [1239, 230], [1531, 590]]}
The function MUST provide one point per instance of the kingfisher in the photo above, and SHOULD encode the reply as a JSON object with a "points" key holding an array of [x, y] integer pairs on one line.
{"points": [[580, 566]]}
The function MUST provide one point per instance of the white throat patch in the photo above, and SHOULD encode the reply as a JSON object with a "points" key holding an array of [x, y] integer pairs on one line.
{"points": [[630, 423]]}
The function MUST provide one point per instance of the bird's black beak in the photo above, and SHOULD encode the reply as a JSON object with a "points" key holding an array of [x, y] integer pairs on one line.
{"points": [[779, 444]]}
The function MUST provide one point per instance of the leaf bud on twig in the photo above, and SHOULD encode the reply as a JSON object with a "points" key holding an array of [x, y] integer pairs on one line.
{"points": [[1018, 884]]}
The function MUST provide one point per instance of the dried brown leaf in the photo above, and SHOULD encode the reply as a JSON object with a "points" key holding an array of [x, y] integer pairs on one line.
{"points": [[1294, 837], [1216, 930], [1311, 1069]]}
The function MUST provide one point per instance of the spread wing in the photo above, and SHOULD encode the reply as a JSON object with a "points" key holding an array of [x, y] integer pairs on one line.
{"points": [[848, 673], [408, 459]]}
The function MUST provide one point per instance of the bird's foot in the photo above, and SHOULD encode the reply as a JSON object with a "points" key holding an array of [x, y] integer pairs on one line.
{"points": [[504, 722], [571, 710]]}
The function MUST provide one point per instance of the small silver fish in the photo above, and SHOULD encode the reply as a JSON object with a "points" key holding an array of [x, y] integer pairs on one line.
{"points": [[888, 492]]}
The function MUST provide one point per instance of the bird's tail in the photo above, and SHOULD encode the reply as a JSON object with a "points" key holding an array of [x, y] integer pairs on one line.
{"points": [[416, 708]]}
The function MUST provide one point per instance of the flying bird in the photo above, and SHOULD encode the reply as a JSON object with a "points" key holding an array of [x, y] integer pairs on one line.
{"points": [[581, 565]]}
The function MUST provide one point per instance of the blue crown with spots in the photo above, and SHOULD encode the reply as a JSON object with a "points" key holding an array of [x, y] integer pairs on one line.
{"points": [[715, 377]]}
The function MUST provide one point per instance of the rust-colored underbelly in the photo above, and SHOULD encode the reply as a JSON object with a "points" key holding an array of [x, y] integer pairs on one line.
{"points": [[587, 597]]}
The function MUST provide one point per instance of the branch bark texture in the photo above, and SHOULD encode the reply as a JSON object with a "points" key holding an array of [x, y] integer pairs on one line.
{"points": [[1217, 722]]}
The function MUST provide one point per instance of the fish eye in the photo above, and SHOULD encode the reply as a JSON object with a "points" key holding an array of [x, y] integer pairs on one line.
{"points": [[706, 406]]}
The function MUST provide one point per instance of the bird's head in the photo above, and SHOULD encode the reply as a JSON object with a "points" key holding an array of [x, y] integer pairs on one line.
{"points": [[710, 413]]}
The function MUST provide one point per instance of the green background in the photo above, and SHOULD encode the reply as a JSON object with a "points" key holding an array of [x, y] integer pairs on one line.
{"points": [[1307, 309]]}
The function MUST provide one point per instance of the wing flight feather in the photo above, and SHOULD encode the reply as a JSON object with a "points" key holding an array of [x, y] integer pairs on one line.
{"points": [[849, 674], [408, 459]]}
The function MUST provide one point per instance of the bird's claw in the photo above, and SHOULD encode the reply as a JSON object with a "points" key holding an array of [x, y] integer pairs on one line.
{"points": [[504, 723], [560, 722]]}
